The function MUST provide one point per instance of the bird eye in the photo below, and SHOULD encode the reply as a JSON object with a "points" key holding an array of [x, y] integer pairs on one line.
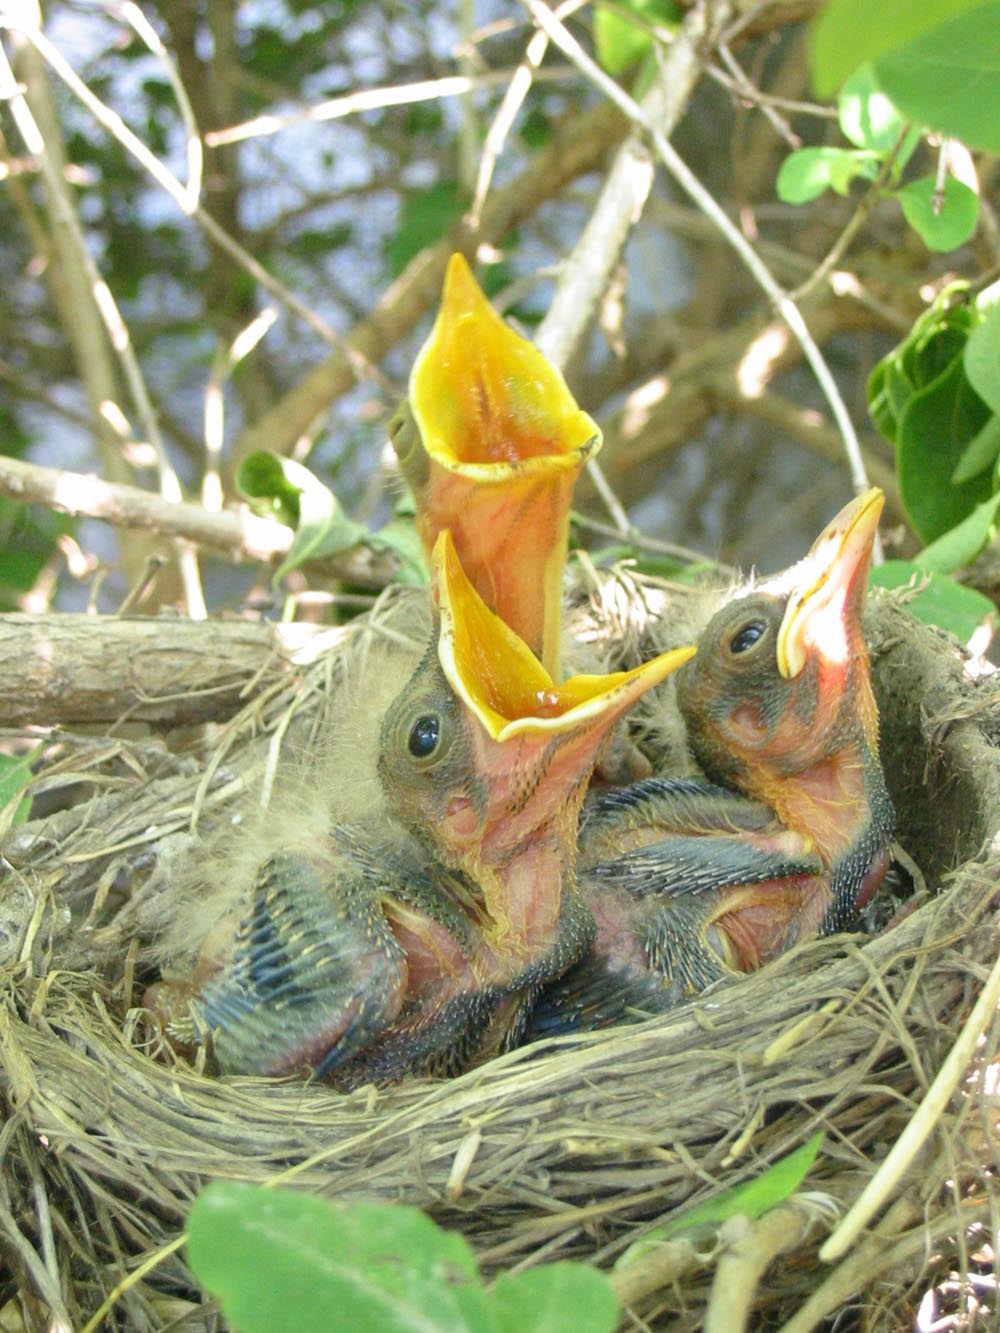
{"points": [[747, 636], [424, 736]]}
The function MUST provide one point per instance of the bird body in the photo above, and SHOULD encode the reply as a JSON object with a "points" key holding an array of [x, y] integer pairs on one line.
{"points": [[416, 943], [690, 881]]}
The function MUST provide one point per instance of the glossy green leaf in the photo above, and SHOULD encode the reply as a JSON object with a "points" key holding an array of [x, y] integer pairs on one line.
{"points": [[979, 454], [848, 32], [621, 41], [945, 222], [938, 600], [982, 357], [960, 545], [295, 495], [939, 421], [868, 116], [555, 1298], [751, 1199], [807, 172], [948, 77], [284, 1262], [262, 480]]}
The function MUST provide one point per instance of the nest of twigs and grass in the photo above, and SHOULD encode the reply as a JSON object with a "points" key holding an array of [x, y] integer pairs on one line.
{"points": [[567, 1149]]}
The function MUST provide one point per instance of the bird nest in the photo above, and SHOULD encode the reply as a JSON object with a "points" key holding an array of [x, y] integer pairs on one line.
{"points": [[571, 1148]]}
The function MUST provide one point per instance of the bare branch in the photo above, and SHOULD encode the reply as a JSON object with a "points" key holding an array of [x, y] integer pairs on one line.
{"points": [[236, 533]]}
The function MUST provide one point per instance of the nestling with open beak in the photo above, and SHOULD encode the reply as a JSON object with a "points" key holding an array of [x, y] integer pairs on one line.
{"points": [[416, 944], [690, 881], [491, 442]]}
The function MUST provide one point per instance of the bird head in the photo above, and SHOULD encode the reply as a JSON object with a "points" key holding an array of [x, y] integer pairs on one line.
{"points": [[487, 759], [491, 442], [780, 687]]}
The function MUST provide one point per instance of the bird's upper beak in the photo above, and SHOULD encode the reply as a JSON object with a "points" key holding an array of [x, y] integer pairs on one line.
{"points": [[826, 590], [491, 443], [501, 681]]}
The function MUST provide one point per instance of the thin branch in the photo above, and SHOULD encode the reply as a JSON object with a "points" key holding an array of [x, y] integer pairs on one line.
{"points": [[503, 121], [111, 318], [682, 174], [240, 535], [369, 99], [578, 145], [748, 1251], [588, 271], [887, 1178], [855, 222]]}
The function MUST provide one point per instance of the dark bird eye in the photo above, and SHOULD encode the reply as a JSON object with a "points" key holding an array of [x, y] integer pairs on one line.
{"points": [[747, 636], [424, 736]]}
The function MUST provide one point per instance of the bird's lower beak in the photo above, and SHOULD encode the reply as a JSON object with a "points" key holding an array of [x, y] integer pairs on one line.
{"points": [[502, 682], [491, 443], [826, 590]]}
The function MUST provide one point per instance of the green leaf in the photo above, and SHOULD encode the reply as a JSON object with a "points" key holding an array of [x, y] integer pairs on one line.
{"points": [[555, 1298], [948, 78], [621, 42], [867, 116], [982, 357], [943, 224], [324, 529], [848, 32], [807, 172], [939, 421], [940, 600], [399, 535], [979, 454], [15, 774], [261, 478], [283, 1262], [751, 1199], [960, 545], [287, 489]]}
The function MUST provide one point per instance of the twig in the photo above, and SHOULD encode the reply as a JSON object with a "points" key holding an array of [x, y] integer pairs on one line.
{"points": [[661, 1264], [111, 317], [887, 1178], [368, 99], [865, 207], [237, 533], [502, 122], [587, 272], [739, 85], [682, 174], [33, 1267], [881, 1252], [748, 1250], [186, 201]]}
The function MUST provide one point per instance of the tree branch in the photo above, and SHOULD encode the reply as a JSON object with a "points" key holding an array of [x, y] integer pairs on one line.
{"points": [[240, 535]]}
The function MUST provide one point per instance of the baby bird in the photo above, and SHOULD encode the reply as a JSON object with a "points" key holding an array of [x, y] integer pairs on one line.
{"points": [[415, 943], [691, 880]]}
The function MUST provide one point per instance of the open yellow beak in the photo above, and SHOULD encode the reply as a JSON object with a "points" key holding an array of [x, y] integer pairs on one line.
{"points": [[502, 682], [826, 589], [492, 452]]}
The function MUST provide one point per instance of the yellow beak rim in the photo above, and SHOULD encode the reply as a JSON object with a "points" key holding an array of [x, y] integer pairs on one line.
{"points": [[837, 558], [502, 682], [485, 400]]}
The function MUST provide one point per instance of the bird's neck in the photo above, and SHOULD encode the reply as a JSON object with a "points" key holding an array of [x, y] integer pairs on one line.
{"points": [[834, 801], [524, 884]]}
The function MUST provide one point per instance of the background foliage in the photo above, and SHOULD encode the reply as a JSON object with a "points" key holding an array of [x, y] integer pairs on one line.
{"points": [[338, 156]]}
